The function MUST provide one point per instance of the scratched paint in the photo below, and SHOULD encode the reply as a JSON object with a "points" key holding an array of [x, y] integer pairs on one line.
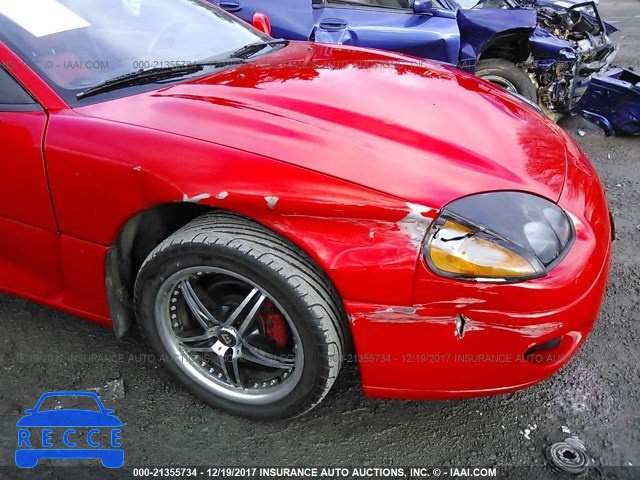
{"points": [[417, 222], [423, 314], [196, 198], [271, 201]]}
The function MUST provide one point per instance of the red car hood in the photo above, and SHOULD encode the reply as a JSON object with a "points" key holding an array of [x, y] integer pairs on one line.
{"points": [[426, 135]]}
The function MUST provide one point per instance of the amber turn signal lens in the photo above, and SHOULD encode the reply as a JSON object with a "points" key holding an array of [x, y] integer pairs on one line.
{"points": [[456, 249]]}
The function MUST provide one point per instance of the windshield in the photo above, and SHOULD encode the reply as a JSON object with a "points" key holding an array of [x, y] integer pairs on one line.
{"points": [[77, 44]]}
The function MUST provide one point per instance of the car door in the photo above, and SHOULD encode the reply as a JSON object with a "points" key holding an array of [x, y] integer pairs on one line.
{"points": [[388, 25], [363, 23], [290, 19], [29, 242]]}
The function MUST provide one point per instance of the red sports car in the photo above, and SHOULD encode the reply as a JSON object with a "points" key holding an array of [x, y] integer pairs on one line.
{"points": [[261, 208]]}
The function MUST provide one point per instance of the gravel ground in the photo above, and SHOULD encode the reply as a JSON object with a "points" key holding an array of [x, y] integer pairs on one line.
{"points": [[596, 396]]}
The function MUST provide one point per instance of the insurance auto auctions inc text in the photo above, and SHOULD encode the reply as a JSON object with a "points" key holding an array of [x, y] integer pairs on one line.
{"points": [[375, 472]]}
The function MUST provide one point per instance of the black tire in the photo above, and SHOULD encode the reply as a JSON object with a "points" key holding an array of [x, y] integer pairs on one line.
{"points": [[281, 270], [501, 72]]}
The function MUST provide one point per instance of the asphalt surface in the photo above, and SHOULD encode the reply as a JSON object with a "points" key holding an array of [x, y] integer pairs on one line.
{"points": [[596, 397]]}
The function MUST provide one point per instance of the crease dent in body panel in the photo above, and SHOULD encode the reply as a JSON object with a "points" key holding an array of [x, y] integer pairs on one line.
{"points": [[462, 323], [417, 222]]}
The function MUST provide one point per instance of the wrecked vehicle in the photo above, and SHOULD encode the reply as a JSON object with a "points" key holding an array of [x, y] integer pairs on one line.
{"points": [[255, 221], [547, 52]]}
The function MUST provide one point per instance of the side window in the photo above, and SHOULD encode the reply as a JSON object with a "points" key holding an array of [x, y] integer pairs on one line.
{"points": [[12, 96]]}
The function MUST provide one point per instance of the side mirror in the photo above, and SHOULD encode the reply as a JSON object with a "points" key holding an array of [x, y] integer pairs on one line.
{"points": [[29, 411], [422, 6], [262, 23]]}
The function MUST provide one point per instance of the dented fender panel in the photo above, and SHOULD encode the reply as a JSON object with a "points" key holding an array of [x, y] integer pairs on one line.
{"points": [[613, 102], [364, 240], [477, 27]]}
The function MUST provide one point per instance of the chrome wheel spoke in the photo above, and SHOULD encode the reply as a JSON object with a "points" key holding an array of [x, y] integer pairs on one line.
{"points": [[206, 349], [188, 342], [202, 315], [236, 369], [225, 370], [254, 300], [210, 333], [256, 355], [251, 316]]}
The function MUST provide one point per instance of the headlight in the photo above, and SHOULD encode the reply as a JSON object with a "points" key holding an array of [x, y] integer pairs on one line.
{"points": [[498, 236]]}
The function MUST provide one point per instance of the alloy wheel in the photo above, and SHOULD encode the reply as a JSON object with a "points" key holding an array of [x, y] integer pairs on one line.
{"points": [[229, 335]]}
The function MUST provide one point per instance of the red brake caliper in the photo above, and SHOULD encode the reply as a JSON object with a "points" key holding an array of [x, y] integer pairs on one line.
{"points": [[273, 324]]}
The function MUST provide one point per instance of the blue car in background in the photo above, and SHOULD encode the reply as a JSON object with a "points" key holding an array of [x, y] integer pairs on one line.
{"points": [[556, 54], [56, 428]]}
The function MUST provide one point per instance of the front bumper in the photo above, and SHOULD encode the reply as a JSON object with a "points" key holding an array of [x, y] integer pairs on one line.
{"points": [[463, 339]]}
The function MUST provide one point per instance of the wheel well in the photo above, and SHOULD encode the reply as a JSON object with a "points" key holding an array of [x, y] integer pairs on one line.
{"points": [[136, 239], [512, 45]]}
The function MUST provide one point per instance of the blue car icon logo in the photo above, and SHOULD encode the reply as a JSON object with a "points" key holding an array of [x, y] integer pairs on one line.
{"points": [[57, 428]]}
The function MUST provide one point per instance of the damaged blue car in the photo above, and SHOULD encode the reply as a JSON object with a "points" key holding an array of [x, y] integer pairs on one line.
{"points": [[556, 54]]}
